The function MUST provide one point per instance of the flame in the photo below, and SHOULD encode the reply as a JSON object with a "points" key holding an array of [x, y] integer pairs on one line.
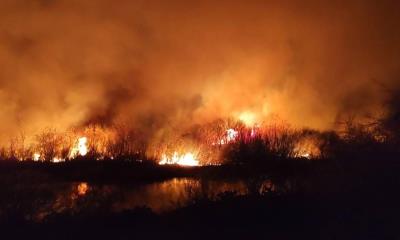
{"points": [[58, 160], [80, 148], [307, 148], [231, 135], [36, 157], [82, 188], [248, 118], [187, 159]]}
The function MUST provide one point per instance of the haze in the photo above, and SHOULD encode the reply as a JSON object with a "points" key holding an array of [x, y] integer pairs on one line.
{"points": [[152, 64]]}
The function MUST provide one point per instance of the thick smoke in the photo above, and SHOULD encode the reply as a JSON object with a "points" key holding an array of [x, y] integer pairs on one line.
{"points": [[67, 63]]}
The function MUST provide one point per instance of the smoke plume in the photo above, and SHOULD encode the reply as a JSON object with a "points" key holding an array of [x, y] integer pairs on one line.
{"points": [[157, 64]]}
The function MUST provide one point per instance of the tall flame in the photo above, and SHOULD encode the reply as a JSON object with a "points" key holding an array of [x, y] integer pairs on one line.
{"points": [[231, 135], [80, 148]]}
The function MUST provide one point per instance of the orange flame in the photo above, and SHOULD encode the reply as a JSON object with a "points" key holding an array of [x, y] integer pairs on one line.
{"points": [[80, 148], [187, 159]]}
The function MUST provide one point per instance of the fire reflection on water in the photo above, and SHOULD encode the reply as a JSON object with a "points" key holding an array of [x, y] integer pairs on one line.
{"points": [[82, 188], [160, 196], [175, 193]]}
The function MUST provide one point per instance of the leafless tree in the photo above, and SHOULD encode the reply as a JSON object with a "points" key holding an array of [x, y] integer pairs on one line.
{"points": [[49, 143]]}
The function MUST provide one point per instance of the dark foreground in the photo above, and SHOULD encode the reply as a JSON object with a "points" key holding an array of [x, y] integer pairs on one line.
{"points": [[329, 199], [274, 217]]}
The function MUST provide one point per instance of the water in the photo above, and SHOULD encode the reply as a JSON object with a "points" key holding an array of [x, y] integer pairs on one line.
{"points": [[37, 202]]}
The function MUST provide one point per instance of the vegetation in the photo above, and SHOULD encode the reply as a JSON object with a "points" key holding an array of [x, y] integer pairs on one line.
{"points": [[342, 186]]}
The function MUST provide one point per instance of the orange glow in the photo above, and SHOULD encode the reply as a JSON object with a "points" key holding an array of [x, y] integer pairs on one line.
{"points": [[36, 157], [142, 92], [231, 134], [58, 160], [187, 159], [82, 188], [80, 149], [307, 148], [248, 118]]}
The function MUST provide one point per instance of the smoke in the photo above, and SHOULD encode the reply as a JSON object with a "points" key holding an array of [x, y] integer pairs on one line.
{"points": [[158, 64]]}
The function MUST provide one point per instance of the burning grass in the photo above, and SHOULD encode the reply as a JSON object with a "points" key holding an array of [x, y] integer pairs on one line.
{"points": [[204, 145], [186, 159], [215, 143]]}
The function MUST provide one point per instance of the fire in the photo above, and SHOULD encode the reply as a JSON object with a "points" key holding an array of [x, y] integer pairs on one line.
{"points": [[58, 160], [231, 135], [36, 157], [187, 159], [82, 188], [248, 118], [307, 148], [80, 148]]}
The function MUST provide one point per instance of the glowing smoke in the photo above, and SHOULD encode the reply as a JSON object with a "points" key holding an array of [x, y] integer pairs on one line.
{"points": [[169, 64]]}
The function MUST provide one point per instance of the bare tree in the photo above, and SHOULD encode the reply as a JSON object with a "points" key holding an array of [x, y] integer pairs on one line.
{"points": [[49, 144]]}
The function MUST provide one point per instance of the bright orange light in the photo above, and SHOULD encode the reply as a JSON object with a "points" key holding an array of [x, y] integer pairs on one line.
{"points": [[187, 159], [80, 148], [231, 135], [58, 160], [307, 148], [83, 188], [36, 157], [248, 118]]}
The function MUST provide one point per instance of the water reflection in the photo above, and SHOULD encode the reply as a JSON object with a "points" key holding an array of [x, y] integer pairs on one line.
{"points": [[47, 199], [82, 188], [176, 193]]}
